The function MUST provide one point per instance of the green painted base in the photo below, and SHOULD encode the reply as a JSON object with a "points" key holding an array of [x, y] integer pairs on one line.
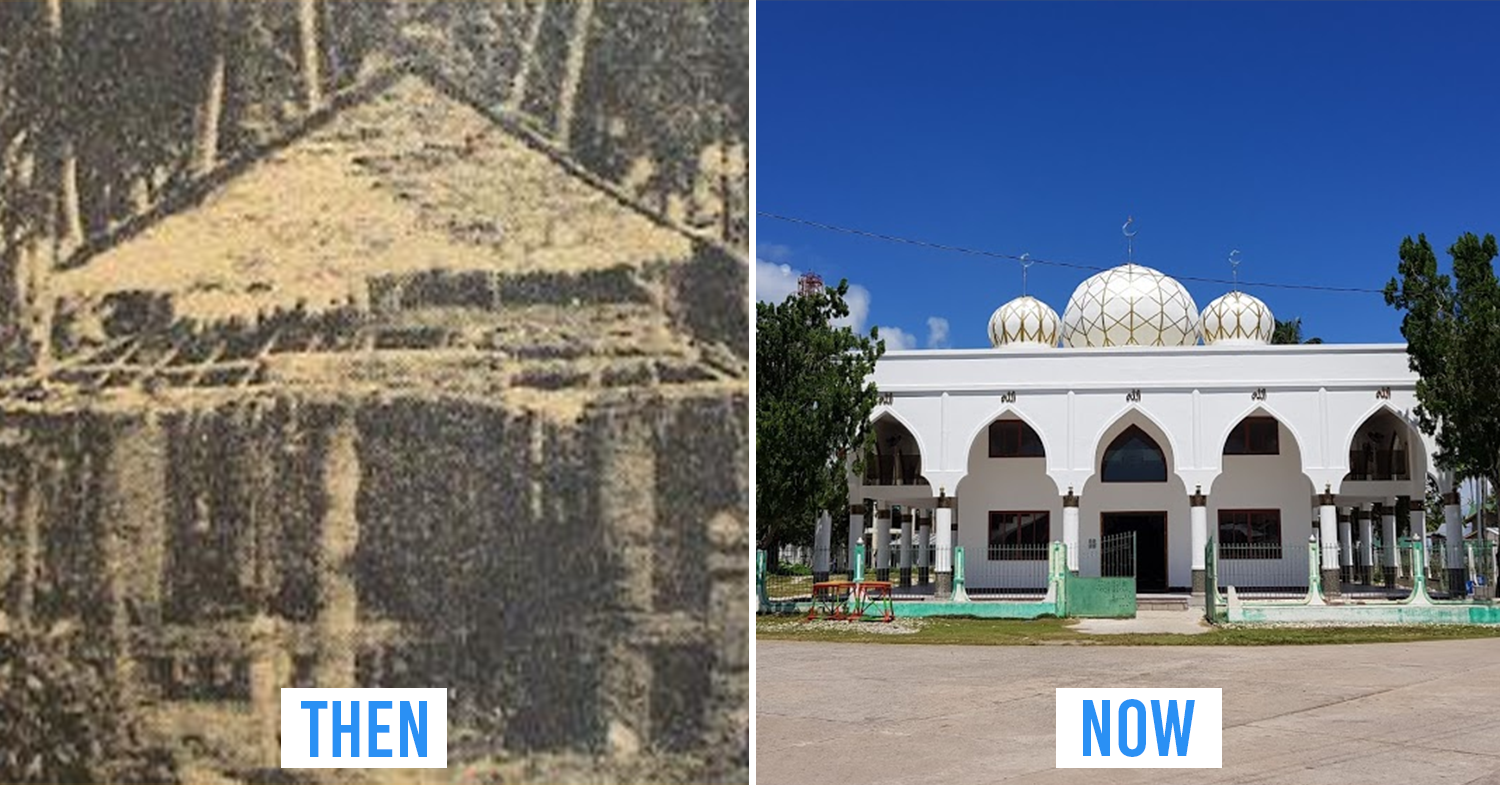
{"points": [[1457, 613], [982, 610]]}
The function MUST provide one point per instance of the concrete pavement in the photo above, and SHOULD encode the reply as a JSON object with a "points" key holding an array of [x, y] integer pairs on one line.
{"points": [[874, 713]]}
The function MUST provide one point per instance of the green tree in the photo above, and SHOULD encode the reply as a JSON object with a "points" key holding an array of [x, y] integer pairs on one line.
{"points": [[1290, 331], [1452, 330], [812, 408]]}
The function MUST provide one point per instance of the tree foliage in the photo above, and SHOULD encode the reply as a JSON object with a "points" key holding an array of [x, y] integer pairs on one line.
{"points": [[813, 404], [1452, 330], [1290, 331], [64, 719]]}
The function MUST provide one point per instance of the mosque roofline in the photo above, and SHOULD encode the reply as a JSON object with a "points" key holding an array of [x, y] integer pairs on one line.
{"points": [[1119, 351]]}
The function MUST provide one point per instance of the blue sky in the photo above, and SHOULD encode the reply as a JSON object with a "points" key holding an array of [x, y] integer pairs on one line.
{"points": [[1312, 138]]}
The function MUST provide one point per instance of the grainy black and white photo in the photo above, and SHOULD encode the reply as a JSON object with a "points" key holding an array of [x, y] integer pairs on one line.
{"points": [[374, 343]]}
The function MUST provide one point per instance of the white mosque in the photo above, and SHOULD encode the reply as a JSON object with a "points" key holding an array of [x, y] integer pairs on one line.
{"points": [[1135, 412]]}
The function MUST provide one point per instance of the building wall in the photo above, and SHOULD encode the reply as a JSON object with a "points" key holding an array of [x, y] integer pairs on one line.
{"points": [[1009, 484], [1268, 482], [1188, 398]]}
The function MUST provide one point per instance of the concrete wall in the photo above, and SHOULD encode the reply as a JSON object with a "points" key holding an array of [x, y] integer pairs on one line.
{"points": [[1009, 484], [1188, 398]]}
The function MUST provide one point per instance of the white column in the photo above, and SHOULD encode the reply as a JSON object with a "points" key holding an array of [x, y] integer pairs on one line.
{"points": [[1328, 542], [1346, 541], [1367, 542], [1328, 516], [1070, 528], [1388, 538], [1453, 529], [822, 542], [908, 520], [1198, 537], [856, 531], [883, 543], [942, 521], [924, 534]]}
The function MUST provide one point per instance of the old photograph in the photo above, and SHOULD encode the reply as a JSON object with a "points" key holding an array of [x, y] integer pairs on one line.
{"points": [[375, 344]]}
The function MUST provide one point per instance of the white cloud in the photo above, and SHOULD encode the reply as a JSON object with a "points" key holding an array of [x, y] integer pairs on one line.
{"points": [[773, 252], [937, 332], [896, 339], [858, 300], [774, 282]]}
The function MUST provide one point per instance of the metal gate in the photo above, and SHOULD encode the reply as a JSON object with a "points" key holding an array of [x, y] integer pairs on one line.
{"points": [[1108, 557]]}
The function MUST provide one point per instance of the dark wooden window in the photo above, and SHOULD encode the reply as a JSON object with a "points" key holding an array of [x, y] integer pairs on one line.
{"points": [[1014, 439], [1254, 436], [1019, 536], [1250, 534], [1134, 457]]}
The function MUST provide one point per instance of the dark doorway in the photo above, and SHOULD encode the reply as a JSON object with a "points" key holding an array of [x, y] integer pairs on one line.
{"points": [[1150, 545]]}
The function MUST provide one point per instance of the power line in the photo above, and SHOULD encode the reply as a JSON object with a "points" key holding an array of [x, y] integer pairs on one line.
{"points": [[998, 255]]}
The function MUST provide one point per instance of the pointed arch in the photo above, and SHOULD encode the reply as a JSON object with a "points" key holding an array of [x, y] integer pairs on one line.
{"points": [[1005, 411], [884, 412], [1134, 456], [1262, 409], [1414, 437], [1163, 435]]}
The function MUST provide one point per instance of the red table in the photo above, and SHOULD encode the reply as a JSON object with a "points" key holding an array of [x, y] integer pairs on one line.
{"points": [[850, 600]]}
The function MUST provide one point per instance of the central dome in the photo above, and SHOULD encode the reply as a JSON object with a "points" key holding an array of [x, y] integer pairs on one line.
{"points": [[1130, 305]]}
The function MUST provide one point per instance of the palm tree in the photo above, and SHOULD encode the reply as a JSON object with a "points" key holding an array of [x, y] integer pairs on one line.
{"points": [[1290, 331]]}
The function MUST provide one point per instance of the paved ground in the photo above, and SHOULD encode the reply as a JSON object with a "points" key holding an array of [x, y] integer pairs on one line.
{"points": [[880, 713], [1185, 622]]}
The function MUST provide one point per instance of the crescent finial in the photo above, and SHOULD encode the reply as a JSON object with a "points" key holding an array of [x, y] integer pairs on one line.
{"points": [[1126, 228]]}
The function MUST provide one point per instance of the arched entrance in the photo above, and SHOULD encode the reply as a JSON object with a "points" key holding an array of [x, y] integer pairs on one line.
{"points": [[1009, 510], [1133, 516]]}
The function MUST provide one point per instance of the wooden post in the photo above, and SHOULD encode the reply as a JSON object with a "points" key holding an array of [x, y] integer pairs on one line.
{"points": [[338, 612], [268, 673], [627, 510], [729, 622], [31, 539], [132, 525]]}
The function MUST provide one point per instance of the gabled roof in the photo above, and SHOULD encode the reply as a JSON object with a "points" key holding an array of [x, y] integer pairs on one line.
{"points": [[402, 175]]}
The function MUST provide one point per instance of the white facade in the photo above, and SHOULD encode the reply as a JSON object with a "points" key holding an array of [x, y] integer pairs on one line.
{"points": [[1333, 405]]}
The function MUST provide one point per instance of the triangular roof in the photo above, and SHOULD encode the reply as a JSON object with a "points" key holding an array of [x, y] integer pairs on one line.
{"points": [[402, 175], [404, 239]]}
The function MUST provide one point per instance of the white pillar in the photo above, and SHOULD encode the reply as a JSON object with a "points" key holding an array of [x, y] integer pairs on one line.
{"points": [[1367, 542], [856, 532], [1346, 541], [1453, 529], [924, 534], [1328, 516], [1070, 528], [1390, 564], [822, 543], [1198, 538], [942, 521], [883, 543], [1388, 538], [908, 519]]}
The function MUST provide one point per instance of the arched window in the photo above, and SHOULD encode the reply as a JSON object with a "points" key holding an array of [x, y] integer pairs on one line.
{"points": [[1134, 457], [1014, 439]]}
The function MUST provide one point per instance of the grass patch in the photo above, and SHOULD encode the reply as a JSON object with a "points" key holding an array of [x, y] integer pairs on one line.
{"points": [[1011, 632]]}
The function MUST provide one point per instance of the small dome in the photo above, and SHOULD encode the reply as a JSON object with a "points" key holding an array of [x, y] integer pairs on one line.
{"points": [[1024, 320], [1237, 319], [1130, 305]]}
